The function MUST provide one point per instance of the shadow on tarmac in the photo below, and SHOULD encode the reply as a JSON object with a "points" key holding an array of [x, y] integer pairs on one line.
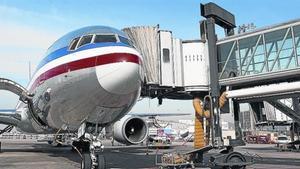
{"points": [[116, 157]]}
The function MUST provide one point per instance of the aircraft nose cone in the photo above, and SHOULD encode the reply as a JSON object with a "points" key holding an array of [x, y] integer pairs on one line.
{"points": [[120, 77]]}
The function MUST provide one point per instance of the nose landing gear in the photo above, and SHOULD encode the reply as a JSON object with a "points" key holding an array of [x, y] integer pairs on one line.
{"points": [[90, 147], [92, 159]]}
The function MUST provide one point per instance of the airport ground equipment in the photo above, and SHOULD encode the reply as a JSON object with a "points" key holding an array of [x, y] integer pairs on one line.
{"points": [[294, 146], [174, 160]]}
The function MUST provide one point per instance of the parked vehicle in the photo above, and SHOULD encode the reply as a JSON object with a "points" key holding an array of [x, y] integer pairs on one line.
{"points": [[282, 140]]}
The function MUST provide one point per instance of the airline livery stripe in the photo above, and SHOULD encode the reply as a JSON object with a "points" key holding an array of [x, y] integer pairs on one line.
{"points": [[86, 63], [79, 56]]}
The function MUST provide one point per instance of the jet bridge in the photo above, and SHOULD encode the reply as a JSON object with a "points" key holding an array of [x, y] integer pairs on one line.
{"points": [[182, 69], [256, 66]]}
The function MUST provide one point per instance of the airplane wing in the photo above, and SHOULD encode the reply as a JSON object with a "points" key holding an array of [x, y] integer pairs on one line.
{"points": [[9, 117], [7, 110], [159, 114]]}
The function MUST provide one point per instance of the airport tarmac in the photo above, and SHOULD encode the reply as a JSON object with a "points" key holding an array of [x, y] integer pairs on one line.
{"points": [[35, 155]]}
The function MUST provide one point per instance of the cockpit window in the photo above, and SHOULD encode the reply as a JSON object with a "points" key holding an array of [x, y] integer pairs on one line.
{"points": [[125, 40], [85, 40], [105, 38], [74, 43]]}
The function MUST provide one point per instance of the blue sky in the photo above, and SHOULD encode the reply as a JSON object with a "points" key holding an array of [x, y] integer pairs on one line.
{"points": [[28, 28]]}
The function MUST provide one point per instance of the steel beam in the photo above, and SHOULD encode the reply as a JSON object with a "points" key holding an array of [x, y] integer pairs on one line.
{"points": [[285, 109], [228, 58], [265, 78], [279, 49], [214, 80], [221, 16], [252, 55]]}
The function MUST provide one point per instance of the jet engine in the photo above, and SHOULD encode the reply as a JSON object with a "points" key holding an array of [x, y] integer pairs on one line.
{"points": [[130, 130]]}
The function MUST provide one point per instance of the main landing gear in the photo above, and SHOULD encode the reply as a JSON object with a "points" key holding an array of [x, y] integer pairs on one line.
{"points": [[90, 146]]}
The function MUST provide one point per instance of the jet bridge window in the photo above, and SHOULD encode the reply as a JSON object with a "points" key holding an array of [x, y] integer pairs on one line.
{"points": [[105, 38], [85, 40], [74, 43], [166, 55]]}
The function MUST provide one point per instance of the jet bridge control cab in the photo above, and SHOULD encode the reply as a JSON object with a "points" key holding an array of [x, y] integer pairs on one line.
{"points": [[173, 68]]}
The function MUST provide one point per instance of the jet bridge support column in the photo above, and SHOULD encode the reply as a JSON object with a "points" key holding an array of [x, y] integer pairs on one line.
{"points": [[294, 126], [215, 15], [209, 25], [238, 141]]}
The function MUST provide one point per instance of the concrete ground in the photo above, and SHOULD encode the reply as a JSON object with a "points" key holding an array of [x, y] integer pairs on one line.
{"points": [[271, 157], [35, 155]]}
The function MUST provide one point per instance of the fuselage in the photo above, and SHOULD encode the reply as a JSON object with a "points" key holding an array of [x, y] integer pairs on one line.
{"points": [[93, 74]]}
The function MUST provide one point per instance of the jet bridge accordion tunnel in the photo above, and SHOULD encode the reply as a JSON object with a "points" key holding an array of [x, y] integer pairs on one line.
{"points": [[173, 68]]}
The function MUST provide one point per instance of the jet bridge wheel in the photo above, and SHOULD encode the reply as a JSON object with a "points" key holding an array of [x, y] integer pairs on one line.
{"points": [[235, 157]]}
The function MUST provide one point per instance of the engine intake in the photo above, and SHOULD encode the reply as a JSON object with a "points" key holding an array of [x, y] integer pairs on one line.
{"points": [[130, 130]]}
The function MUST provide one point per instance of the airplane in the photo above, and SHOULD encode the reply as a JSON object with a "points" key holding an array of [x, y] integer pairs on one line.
{"points": [[88, 79]]}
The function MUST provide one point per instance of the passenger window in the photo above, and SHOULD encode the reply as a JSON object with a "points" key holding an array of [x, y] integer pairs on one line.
{"points": [[85, 40], [105, 38], [73, 43]]}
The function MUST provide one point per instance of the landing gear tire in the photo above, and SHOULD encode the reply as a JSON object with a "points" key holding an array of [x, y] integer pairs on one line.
{"points": [[91, 146], [101, 162], [86, 162], [82, 146]]}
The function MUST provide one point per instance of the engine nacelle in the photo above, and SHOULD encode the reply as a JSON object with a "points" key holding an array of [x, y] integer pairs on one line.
{"points": [[130, 130]]}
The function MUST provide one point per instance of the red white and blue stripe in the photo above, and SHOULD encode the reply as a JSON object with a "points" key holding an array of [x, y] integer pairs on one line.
{"points": [[62, 60]]}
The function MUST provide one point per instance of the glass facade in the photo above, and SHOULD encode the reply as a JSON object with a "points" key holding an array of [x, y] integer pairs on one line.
{"points": [[263, 52]]}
